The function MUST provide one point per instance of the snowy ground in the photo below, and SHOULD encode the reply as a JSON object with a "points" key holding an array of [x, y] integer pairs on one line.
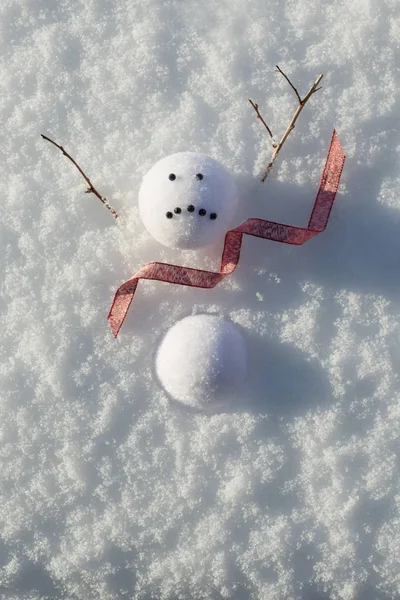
{"points": [[107, 490]]}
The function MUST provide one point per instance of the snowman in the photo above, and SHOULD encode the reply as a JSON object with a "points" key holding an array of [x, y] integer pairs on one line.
{"points": [[187, 201]]}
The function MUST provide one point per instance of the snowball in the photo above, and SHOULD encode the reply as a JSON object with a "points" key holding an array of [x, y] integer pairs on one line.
{"points": [[201, 361], [187, 200]]}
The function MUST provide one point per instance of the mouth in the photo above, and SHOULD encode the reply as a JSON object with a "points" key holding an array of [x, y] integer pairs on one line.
{"points": [[191, 209]]}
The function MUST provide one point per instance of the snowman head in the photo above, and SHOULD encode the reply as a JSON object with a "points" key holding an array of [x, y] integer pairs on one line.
{"points": [[187, 200]]}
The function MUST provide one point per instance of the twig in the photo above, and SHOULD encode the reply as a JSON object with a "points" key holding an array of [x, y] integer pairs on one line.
{"points": [[302, 101], [255, 106], [279, 70], [91, 189]]}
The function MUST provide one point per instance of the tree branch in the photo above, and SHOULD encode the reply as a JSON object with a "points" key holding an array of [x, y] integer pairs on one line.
{"points": [[91, 189], [279, 70], [301, 103], [255, 106]]}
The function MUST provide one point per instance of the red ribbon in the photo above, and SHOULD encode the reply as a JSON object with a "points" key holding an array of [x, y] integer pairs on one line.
{"points": [[269, 230]]}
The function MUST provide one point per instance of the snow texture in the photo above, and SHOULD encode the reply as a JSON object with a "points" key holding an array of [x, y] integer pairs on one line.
{"points": [[202, 361], [108, 490], [187, 200]]}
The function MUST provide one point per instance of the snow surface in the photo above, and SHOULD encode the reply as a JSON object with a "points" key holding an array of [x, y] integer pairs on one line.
{"points": [[107, 490]]}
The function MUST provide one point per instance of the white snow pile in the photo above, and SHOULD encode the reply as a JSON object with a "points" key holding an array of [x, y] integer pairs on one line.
{"points": [[108, 489], [187, 200], [202, 362]]}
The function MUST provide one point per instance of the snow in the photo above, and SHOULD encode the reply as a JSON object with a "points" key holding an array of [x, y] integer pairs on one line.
{"points": [[187, 200], [107, 488], [202, 361]]}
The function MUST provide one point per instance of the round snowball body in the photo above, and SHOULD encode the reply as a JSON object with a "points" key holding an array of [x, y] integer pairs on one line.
{"points": [[201, 361], [187, 200]]}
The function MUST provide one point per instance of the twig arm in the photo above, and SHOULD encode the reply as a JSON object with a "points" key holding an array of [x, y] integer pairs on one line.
{"points": [[91, 189], [302, 101]]}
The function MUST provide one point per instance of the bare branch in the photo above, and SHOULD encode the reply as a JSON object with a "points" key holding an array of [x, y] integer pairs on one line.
{"points": [[255, 106], [91, 189], [314, 88], [279, 70]]}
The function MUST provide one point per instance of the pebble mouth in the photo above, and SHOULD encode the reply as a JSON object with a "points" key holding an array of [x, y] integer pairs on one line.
{"points": [[191, 209]]}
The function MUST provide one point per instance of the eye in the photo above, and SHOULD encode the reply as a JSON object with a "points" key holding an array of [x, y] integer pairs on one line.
{"points": [[199, 176], [213, 216], [169, 215], [172, 176]]}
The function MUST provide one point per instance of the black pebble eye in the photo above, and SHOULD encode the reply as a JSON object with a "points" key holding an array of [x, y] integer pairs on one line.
{"points": [[190, 208], [169, 215], [172, 176], [199, 176], [202, 212], [177, 210], [213, 216]]}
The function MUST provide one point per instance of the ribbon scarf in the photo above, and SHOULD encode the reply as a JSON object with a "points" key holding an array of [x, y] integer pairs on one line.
{"points": [[269, 230]]}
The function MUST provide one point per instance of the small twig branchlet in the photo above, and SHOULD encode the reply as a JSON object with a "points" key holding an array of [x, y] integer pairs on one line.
{"points": [[279, 70], [255, 106], [91, 189], [302, 101]]}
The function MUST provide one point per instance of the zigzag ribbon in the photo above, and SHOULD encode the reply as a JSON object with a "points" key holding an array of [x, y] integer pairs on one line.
{"points": [[269, 230]]}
